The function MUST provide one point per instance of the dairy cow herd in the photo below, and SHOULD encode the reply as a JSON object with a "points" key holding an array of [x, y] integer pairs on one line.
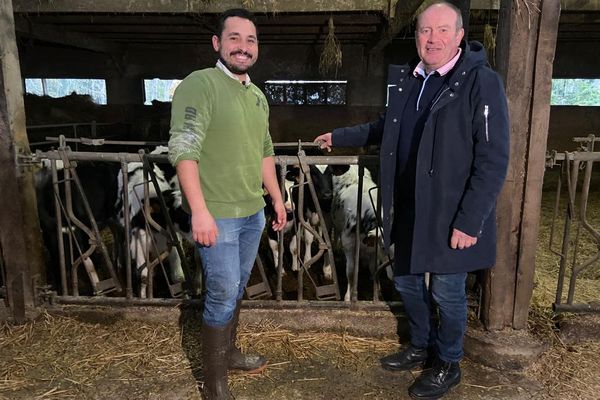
{"points": [[159, 232]]}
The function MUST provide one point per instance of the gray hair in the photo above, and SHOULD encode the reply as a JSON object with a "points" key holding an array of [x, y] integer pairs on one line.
{"points": [[459, 20]]}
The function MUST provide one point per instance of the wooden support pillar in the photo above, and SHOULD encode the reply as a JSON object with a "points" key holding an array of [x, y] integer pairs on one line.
{"points": [[20, 238], [526, 43], [465, 9]]}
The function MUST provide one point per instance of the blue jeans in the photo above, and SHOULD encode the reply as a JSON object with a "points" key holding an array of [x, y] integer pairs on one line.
{"points": [[448, 293], [227, 265]]}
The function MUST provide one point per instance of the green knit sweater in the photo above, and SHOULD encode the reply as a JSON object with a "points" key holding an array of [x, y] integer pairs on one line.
{"points": [[224, 126]]}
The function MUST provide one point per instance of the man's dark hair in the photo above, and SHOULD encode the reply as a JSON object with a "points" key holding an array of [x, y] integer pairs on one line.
{"points": [[234, 12]]}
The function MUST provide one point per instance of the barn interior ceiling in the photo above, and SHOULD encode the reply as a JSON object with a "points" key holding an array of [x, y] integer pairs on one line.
{"points": [[109, 26]]}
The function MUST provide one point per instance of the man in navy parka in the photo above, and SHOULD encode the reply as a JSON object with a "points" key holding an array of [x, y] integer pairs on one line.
{"points": [[444, 150]]}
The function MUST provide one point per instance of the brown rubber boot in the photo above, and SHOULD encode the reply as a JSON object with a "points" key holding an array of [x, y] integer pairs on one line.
{"points": [[251, 364], [215, 352]]}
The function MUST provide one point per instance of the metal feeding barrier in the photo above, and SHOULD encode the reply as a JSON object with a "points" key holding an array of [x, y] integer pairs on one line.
{"points": [[259, 290], [576, 223]]}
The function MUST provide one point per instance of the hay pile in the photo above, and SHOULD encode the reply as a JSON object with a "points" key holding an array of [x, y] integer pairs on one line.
{"points": [[64, 358], [565, 371]]}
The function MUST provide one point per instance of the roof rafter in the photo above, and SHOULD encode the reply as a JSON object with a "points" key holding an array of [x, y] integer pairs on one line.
{"points": [[49, 33], [195, 6]]}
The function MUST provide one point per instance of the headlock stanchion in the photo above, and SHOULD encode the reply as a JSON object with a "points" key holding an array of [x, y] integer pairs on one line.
{"points": [[576, 217]]}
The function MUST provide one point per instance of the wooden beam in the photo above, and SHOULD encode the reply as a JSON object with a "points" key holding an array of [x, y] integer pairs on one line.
{"points": [[195, 6], [524, 56], [566, 5], [20, 239], [403, 17], [536, 159], [49, 33]]}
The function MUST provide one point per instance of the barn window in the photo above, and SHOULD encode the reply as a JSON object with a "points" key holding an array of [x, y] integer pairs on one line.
{"points": [[96, 88], [159, 89], [306, 92], [575, 92]]}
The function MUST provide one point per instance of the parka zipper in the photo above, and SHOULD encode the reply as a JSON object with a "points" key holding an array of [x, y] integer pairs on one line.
{"points": [[431, 169], [438, 99], [486, 112]]}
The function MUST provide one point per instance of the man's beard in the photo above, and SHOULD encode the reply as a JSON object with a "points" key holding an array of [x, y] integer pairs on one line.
{"points": [[233, 69]]}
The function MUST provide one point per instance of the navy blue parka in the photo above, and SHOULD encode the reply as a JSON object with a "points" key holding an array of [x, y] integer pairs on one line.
{"points": [[461, 163]]}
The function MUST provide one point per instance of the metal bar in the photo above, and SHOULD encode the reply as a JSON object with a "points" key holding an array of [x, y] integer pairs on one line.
{"points": [[248, 304], [69, 125], [354, 287], [163, 158], [127, 228], [566, 239], [576, 308], [279, 266], [572, 198], [52, 139], [581, 156], [59, 228]]}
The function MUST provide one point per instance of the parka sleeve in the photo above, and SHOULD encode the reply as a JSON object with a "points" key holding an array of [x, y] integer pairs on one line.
{"points": [[359, 135], [490, 154]]}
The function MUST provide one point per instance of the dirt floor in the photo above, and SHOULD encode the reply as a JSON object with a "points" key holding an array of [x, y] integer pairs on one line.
{"points": [[100, 357], [70, 356]]}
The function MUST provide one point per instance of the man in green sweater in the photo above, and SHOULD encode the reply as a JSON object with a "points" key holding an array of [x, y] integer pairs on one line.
{"points": [[221, 147]]}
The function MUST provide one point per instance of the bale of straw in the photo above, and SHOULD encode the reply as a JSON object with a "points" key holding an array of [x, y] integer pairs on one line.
{"points": [[489, 42]]}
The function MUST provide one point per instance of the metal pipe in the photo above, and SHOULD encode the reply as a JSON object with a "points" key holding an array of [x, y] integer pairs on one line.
{"points": [[127, 227], [59, 228], [576, 308], [247, 304], [163, 158], [354, 287]]}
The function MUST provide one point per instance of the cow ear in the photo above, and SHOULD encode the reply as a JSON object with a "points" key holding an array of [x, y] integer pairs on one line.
{"points": [[338, 170]]}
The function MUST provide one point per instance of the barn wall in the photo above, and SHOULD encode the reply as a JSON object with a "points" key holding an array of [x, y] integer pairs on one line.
{"points": [[577, 60], [567, 122], [366, 89]]}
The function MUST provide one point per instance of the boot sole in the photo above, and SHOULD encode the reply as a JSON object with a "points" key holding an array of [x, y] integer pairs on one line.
{"points": [[249, 372], [450, 388], [408, 367]]}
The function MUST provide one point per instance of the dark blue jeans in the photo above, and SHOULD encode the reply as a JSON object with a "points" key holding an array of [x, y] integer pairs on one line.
{"points": [[227, 265], [448, 293]]}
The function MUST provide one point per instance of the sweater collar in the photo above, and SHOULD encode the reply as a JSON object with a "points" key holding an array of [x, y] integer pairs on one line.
{"points": [[443, 70], [230, 74]]}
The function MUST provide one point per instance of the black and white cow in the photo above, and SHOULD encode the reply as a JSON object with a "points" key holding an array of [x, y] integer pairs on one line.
{"points": [[345, 197], [141, 242], [323, 189]]}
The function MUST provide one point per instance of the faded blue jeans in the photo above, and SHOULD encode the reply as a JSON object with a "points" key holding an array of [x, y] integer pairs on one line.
{"points": [[227, 265], [448, 293]]}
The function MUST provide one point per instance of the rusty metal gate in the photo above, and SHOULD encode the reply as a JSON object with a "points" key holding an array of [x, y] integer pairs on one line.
{"points": [[112, 288], [579, 248]]}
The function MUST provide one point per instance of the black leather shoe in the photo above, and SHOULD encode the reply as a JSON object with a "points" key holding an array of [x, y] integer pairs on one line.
{"points": [[434, 383], [405, 360]]}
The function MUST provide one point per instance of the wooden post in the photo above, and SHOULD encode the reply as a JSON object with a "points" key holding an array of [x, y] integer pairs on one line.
{"points": [[526, 44], [20, 238], [465, 9]]}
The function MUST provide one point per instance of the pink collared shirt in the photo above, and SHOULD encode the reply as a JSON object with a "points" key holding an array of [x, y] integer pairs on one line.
{"points": [[443, 70]]}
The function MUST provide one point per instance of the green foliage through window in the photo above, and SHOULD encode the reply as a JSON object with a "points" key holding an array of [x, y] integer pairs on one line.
{"points": [[575, 92]]}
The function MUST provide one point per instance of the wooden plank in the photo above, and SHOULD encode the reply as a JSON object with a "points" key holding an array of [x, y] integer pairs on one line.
{"points": [[20, 234], [48, 33], [403, 17], [566, 5], [540, 117], [195, 6], [515, 53]]}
